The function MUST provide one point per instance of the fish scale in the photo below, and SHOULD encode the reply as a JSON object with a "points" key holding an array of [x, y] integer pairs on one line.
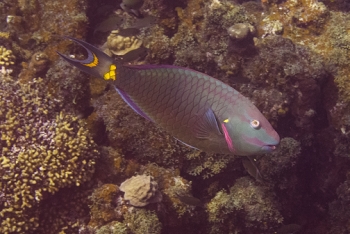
{"points": [[195, 108], [182, 95]]}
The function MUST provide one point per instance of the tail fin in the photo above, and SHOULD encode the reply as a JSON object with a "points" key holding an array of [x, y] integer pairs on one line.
{"points": [[97, 63]]}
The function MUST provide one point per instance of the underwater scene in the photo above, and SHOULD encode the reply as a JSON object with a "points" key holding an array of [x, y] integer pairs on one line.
{"points": [[175, 117]]}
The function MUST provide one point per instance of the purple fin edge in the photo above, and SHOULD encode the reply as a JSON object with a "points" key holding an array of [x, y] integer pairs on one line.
{"points": [[186, 144], [132, 104]]}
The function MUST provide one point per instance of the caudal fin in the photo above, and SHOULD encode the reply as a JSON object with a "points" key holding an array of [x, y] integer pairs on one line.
{"points": [[97, 63]]}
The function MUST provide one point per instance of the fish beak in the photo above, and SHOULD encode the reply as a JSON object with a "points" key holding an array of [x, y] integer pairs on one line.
{"points": [[272, 144], [269, 148]]}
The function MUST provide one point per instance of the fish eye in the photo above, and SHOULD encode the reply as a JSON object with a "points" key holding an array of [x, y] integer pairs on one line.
{"points": [[255, 124]]}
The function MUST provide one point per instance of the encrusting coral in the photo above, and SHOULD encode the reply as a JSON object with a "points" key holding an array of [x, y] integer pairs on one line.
{"points": [[42, 150]]}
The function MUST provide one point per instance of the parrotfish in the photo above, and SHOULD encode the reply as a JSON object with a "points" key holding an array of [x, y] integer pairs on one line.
{"points": [[195, 108]]}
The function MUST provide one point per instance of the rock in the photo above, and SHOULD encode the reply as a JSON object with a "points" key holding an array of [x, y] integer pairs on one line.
{"points": [[141, 190]]}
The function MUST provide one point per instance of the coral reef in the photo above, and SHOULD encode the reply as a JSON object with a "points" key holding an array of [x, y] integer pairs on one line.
{"points": [[6, 57], [339, 211], [143, 221], [295, 85], [114, 228], [121, 45], [299, 20], [247, 202], [291, 58], [37, 25], [102, 205], [37, 66], [171, 184], [108, 204], [65, 211], [205, 164], [279, 162], [240, 31], [41, 152]]}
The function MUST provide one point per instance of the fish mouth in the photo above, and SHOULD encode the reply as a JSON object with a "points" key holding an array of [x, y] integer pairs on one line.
{"points": [[269, 148], [271, 145]]}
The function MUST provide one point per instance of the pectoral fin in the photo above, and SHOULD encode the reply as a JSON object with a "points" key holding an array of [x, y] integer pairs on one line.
{"points": [[250, 166], [207, 125]]}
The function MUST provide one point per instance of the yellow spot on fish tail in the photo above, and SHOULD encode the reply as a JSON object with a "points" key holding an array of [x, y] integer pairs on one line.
{"points": [[226, 120], [94, 62], [111, 74]]}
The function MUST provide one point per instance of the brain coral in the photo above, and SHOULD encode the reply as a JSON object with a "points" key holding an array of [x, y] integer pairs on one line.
{"points": [[42, 150]]}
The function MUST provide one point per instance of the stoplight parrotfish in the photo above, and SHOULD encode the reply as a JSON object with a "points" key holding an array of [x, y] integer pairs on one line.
{"points": [[195, 108]]}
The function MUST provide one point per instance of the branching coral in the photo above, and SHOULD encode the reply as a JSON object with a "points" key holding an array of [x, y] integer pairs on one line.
{"points": [[206, 164], [113, 228], [41, 152], [6, 57], [142, 221]]}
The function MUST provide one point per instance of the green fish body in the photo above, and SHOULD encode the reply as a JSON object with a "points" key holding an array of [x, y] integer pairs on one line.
{"points": [[195, 108]]}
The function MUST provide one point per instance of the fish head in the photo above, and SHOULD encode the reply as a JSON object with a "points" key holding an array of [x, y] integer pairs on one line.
{"points": [[248, 132]]}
